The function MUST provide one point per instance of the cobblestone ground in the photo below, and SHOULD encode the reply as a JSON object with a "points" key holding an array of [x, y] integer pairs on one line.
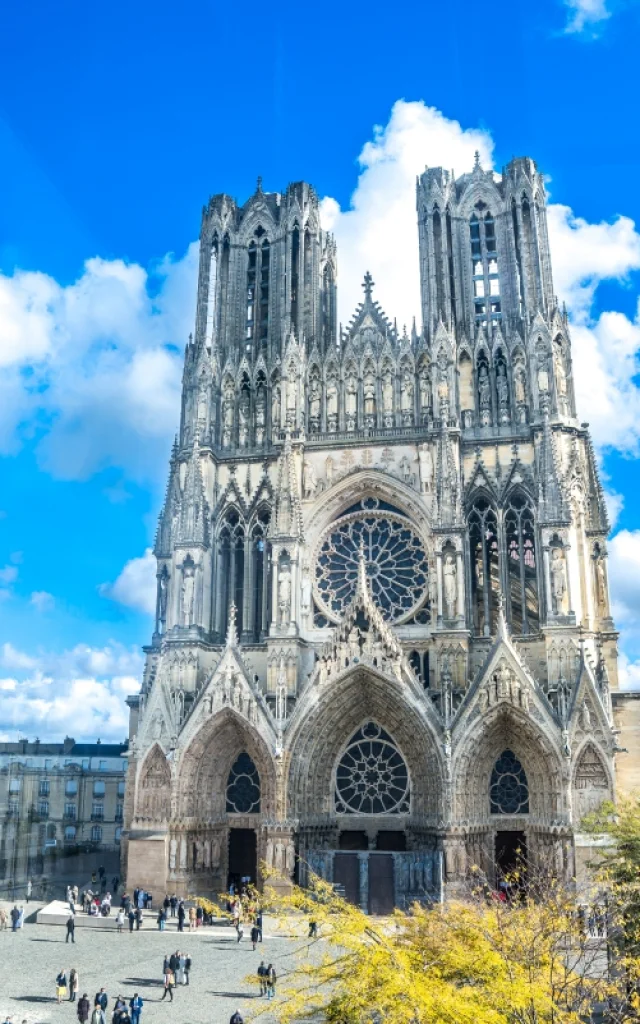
{"points": [[32, 957]]}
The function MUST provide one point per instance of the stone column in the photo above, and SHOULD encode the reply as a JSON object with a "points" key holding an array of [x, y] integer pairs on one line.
{"points": [[547, 581], [363, 864], [460, 583], [439, 576]]}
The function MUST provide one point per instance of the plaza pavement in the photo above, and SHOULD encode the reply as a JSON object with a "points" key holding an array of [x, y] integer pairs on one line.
{"points": [[32, 957]]}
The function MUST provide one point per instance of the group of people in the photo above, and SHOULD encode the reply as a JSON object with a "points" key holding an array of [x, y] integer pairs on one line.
{"points": [[15, 915], [122, 1013], [175, 971]]}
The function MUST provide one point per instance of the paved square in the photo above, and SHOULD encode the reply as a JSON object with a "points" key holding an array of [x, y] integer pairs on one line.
{"points": [[33, 956]]}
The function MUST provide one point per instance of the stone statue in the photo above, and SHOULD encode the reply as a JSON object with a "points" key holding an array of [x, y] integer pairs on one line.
{"points": [[332, 401], [310, 480], [450, 585], [276, 408], [268, 853], [284, 595], [290, 858], [369, 396], [351, 402], [425, 389], [601, 584], [188, 591], [387, 394], [502, 388], [519, 386], [227, 413], [561, 377], [278, 857], [484, 388], [163, 592], [215, 851], [314, 403], [207, 855], [183, 852], [305, 592], [558, 580], [173, 851], [543, 375], [199, 855], [292, 401], [261, 414], [425, 465], [243, 419], [406, 395]]}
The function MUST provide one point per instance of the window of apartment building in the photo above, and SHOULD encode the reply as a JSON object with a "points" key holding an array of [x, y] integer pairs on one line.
{"points": [[70, 833], [48, 764], [97, 812], [14, 785], [121, 788], [70, 811], [96, 834], [98, 788], [43, 808], [102, 765], [118, 835], [43, 787], [71, 787], [13, 807], [119, 812], [85, 763]]}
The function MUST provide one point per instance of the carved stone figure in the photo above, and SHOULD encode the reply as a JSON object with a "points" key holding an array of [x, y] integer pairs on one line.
{"points": [[351, 402], [519, 386], [188, 591], [276, 407], [369, 397], [502, 388], [314, 403], [450, 585], [292, 401], [425, 389], [406, 397], [543, 375], [387, 394], [310, 479], [163, 593], [173, 853], [243, 419], [284, 595], [484, 388], [558, 580], [332, 403], [425, 464], [305, 592], [601, 585]]}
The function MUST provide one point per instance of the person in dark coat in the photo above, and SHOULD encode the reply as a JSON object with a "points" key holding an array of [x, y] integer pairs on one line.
{"points": [[236, 1018], [71, 928], [132, 917], [101, 1000], [84, 1009], [181, 916], [187, 968], [255, 936]]}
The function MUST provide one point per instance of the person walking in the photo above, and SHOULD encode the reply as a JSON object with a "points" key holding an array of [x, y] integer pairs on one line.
{"points": [[255, 935], [259, 921], [192, 919], [313, 929], [169, 982], [271, 981], [262, 978], [15, 917], [29, 889], [187, 968], [132, 918], [239, 929], [61, 986], [120, 921], [74, 985], [135, 1006], [3, 919], [71, 929], [98, 1017], [84, 1008], [138, 916], [162, 917], [166, 903], [181, 916], [101, 1000]]}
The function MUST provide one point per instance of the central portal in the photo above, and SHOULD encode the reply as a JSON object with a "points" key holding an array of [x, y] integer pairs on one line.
{"points": [[511, 854], [243, 857]]}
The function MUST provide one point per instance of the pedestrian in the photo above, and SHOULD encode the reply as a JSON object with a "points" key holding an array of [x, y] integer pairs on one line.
{"points": [[15, 917], [138, 919], [161, 918], [120, 921], [239, 929], [271, 981], [236, 1018], [116, 883], [192, 919], [262, 978], [21, 917], [74, 985], [255, 935], [135, 1006], [101, 1000], [71, 928], [187, 968], [84, 1008], [181, 916], [174, 962], [199, 916], [61, 986], [3, 919], [131, 915], [173, 902], [98, 1017], [259, 921], [313, 929], [169, 982], [118, 1008], [29, 889], [166, 903]]}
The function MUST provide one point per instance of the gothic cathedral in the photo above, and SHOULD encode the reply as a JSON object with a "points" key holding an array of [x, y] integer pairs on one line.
{"points": [[383, 648]]}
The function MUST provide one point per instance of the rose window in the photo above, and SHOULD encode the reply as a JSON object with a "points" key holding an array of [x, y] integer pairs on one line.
{"points": [[372, 777], [396, 563]]}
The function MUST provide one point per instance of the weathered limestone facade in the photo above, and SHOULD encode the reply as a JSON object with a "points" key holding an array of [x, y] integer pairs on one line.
{"points": [[383, 643]]}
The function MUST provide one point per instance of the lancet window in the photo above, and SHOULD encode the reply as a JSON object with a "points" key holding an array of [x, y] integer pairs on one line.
{"points": [[260, 585], [484, 258], [522, 588], [243, 787], [257, 293], [485, 565], [508, 788], [295, 275], [439, 267]]}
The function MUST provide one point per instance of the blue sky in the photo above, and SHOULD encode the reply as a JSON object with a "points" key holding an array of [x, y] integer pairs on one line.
{"points": [[116, 124]]}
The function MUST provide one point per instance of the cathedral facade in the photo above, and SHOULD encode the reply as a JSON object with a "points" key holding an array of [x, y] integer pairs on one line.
{"points": [[383, 648]]}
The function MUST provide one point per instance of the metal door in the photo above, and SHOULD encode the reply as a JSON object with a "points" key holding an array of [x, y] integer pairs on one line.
{"points": [[381, 884], [346, 872]]}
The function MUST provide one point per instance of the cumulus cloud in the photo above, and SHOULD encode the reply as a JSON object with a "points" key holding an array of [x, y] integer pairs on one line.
{"points": [[80, 692], [95, 365], [586, 16], [136, 584], [42, 600]]}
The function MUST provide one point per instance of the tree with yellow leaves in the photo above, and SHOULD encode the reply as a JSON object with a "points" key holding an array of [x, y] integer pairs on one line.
{"points": [[529, 960]]}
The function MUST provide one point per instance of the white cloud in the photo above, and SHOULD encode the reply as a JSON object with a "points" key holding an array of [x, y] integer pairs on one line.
{"points": [[96, 363], [80, 692], [585, 15], [9, 574], [136, 584], [624, 575], [42, 600]]}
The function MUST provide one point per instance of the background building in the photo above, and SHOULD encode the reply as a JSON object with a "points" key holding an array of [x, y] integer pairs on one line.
{"points": [[383, 644], [61, 809]]}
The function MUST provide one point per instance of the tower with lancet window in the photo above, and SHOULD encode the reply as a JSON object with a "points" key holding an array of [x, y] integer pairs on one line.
{"points": [[383, 648]]}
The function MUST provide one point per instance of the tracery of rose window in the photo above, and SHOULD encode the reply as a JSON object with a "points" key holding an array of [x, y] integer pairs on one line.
{"points": [[372, 777], [395, 557]]}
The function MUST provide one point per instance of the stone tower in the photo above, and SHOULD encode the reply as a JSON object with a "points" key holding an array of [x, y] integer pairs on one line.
{"points": [[383, 646]]}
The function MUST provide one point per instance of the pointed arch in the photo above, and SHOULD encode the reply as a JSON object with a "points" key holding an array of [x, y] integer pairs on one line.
{"points": [[154, 786], [523, 605], [243, 786], [482, 520], [592, 783]]}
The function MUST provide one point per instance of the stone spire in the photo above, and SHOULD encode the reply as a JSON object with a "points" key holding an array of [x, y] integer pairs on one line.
{"points": [[287, 518], [193, 523]]}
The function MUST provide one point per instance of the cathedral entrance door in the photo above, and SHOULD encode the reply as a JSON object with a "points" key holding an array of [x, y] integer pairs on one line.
{"points": [[243, 855], [511, 854], [381, 884], [346, 872]]}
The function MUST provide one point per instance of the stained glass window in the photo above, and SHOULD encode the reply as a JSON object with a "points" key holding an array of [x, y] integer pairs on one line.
{"points": [[243, 787], [509, 789], [372, 777]]}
